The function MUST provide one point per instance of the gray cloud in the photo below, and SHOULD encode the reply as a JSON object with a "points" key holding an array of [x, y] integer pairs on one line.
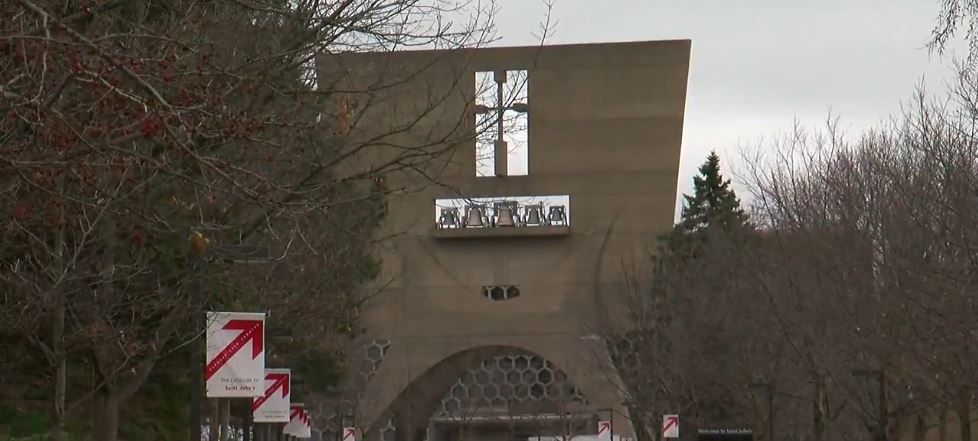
{"points": [[758, 64]]}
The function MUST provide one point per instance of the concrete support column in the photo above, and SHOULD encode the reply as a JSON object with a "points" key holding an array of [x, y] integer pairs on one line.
{"points": [[501, 158]]}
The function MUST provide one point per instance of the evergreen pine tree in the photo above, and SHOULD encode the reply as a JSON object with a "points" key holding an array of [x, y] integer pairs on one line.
{"points": [[689, 262], [713, 207], [713, 202]]}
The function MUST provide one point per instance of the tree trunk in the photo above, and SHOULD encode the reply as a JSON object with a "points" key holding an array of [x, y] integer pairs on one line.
{"points": [[57, 338], [60, 378], [819, 408], [920, 428], [106, 421], [105, 425], [942, 424], [225, 404], [964, 414], [105, 409], [215, 420]]}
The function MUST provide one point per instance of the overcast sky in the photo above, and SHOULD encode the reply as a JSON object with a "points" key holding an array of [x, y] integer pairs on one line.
{"points": [[759, 64]]}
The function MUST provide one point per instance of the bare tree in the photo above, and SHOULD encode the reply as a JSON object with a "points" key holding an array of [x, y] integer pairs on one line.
{"points": [[131, 126], [883, 226], [953, 15], [850, 301]]}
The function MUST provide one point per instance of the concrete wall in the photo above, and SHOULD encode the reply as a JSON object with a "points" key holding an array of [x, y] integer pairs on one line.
{"points": [[605, 128]]}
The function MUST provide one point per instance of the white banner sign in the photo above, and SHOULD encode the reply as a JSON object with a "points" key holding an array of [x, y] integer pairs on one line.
{"points": [[305, 431], [349, 434], [670, 426], [235, 354], [273, 405], [604, 430], [295, 424]]}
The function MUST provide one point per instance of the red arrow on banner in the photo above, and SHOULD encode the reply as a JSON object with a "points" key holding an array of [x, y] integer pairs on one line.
{"points": [[350, 434], [296, 411], [604, 426], [671, 421], [281, 381], [251, 330]]}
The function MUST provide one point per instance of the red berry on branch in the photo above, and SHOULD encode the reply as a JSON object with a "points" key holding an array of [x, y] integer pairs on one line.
{"points": [[22, 211], [137, 238], [185, 98], [150, 127]]}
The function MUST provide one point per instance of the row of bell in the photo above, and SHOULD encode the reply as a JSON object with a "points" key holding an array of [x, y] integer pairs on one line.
{"points": [[505, 216]]}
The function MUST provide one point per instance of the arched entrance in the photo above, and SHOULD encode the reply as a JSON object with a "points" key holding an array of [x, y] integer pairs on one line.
{"points": [[492, 393]]}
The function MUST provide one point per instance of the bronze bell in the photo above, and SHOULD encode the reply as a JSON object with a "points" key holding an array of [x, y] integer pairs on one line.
{"points": [[557, 215], [504, 216], [534, 214], [449, 218], [473, 217]]}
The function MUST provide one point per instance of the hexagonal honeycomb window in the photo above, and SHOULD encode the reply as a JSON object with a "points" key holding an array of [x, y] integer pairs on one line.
{"points": [[623, 349], [389, 432], [374, 353], [502, 384], [500, 292]]}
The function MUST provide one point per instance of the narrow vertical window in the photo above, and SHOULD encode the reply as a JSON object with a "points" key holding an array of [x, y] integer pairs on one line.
{"points": [[502, 125]]}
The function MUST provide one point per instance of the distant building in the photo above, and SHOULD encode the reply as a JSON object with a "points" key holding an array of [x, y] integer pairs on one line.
{"points": [[507, 259]]}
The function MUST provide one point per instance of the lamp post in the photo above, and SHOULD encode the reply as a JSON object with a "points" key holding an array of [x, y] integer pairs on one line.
{"points": [[877, 374], [769, 392], [202, 253]]}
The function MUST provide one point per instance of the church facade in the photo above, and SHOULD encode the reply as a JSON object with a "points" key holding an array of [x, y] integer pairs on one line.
{"points": [[507, 249]]}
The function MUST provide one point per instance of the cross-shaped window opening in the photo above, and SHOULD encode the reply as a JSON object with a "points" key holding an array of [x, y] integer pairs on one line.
{"points": [[501, 123]]}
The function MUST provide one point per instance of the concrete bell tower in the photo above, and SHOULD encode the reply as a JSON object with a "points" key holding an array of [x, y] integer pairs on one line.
{"points": [[505, 264]]}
